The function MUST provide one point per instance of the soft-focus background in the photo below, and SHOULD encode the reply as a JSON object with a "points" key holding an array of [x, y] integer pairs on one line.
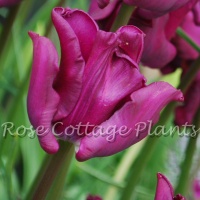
{"points": [[21, 155]]}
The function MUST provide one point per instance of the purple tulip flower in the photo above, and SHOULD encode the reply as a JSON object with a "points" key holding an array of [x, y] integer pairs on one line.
{"points": [[196, 188], [159, 31], [98, 82], [185, 50], [186, 112], [93, 197], [164, 190], [157, 8], [4, 3]]}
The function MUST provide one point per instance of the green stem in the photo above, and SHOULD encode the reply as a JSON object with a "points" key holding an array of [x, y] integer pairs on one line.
{"points": [[123, 16], [145, 154], [52, 169], [183, 183], [7, 28], [143, 157], [187, 38], [123, 168]]}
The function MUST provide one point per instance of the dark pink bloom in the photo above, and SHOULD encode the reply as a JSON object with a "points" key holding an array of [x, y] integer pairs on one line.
{"points": [[196, 188], [185, 50], [158, 7], [98, 82], [164, 190], [104, 9], [159, 50], [4, 3], [104, 15], [186, 112], [196, 11], [93, 197], [159, 31]]}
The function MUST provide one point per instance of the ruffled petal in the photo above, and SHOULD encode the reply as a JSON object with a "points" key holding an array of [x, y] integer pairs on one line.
{"points": [[103, 3], [164, 190], [110, 75], [69, 80], [135, 118], [84, 27], [104, 13], [132, 42], [98, 13], [42, 98]]}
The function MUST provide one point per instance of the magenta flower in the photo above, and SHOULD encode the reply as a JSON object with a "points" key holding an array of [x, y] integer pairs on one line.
{"points": [[159, 33], [104, 12], [196, 188], [156, 43], [98, 83], [196, 11], [164, 190], [185, 50], [157, 8], [93, 197], [4, 3], [186, 112]]}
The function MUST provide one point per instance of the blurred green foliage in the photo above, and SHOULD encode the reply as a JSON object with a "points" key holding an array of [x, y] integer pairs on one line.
{"points": [[21, 156]]}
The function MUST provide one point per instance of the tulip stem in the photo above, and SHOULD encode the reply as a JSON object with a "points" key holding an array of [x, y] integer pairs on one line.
{"points": [[54, 168], [184, 179], [187, 38], [147, 150], [123, 16]]}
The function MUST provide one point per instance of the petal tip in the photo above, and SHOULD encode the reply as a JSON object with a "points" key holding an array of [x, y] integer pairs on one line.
{"points": [[79, 157], [33, 35], [50, 148], [159, 175]]}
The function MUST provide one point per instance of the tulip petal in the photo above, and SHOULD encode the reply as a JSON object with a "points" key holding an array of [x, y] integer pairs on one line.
{"points": [[176, 17], [146, 105], [164, 190], [185, 50], [69, 80], [158, 51], [75, 21], [104, 12], [132, 42], [196, 11], [158, 7], [110, 75], [98, 13], [42, 98], [186, 112], [196, 188], [4, 3]]}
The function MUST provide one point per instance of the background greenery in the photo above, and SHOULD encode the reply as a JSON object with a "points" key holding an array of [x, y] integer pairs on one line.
{"points": [[21, 156]]}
